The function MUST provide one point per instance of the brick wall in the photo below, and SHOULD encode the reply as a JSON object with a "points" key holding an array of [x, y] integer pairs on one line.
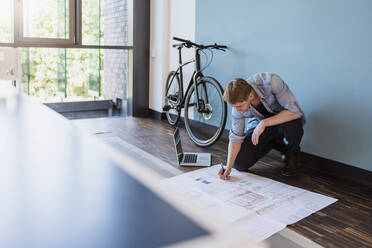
{"points": [[115, 26]]}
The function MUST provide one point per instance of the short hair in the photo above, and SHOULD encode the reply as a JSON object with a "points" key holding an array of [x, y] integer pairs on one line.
{"points": [[236, 91]]}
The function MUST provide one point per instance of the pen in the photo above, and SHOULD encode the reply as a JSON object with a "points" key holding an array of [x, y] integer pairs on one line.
{"points": [[223, 170]]}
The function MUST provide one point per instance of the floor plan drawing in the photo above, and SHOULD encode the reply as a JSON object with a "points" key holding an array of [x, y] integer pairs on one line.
{"points": [[247, 199]]}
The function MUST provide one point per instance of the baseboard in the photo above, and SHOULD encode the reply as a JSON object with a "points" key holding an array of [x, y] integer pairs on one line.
{"points": [[68, 107], [337, 169], [157, 115]]}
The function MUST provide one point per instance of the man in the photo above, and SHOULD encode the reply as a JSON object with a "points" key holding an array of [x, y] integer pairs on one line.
{"points": [[272, 113]]}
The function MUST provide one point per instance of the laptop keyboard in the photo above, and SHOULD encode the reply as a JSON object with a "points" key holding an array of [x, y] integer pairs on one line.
{"points": [[190, 158]]}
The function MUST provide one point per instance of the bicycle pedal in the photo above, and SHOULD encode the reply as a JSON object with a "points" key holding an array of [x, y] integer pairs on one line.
{"points": [[166, 108]]}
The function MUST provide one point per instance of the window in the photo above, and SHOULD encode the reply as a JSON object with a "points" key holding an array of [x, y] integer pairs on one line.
{"points": [[52, 74], [106, 23], [6, 21], [46, 21], [71, 49]]}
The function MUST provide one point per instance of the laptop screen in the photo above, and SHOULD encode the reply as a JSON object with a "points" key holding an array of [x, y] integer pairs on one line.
{"points": [[177, 144]]}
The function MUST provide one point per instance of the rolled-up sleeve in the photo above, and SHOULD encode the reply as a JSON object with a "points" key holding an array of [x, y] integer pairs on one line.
{"points": [[237, 127], [284, 95]]}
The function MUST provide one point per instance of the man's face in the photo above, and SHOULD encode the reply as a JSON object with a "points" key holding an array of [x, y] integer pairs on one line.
{"points": [[241, 106]]}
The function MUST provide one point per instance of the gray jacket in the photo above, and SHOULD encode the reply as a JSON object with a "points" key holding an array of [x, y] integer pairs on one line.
{"points": [[274, 94]]}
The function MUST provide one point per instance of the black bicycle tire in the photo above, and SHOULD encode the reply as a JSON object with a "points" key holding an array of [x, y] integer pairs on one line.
{"points": [[170, 75], [221, 128]]}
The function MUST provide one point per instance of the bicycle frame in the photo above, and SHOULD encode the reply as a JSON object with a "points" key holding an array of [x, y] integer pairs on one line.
{"points": [[194, 78], [199, 109]]}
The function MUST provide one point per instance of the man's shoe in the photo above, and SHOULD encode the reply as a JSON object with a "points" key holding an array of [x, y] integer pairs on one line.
{"points": [[291, 166]]}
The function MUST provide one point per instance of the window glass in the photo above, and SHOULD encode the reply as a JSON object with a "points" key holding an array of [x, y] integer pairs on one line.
{"points": [[53, 74], [107, 22], [46, 19], [6, 21]]}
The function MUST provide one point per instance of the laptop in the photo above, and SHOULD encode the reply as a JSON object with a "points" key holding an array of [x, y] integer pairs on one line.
{"points": [[189, 158]]}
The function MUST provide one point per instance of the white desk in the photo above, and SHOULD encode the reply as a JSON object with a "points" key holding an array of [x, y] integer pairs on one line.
{"points": [[62, 188]]}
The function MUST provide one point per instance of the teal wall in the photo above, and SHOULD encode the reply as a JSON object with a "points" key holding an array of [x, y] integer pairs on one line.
{"points": [[322, 50]]}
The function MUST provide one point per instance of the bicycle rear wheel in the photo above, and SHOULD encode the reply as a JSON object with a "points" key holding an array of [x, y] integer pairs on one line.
{"points": [[173, 98], [206, 124]]}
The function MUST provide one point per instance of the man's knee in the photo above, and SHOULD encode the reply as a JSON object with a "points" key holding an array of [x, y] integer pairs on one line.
{"points": [[243, 166], [245, 159], [294, 126], [294, 123]]}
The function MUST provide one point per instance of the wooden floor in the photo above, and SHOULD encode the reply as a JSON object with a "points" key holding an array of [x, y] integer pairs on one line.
{"points": [[346, 223]]}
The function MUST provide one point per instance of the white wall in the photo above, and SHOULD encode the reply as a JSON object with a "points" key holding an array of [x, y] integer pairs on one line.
{"points": [[168, 18], [159, 52]]}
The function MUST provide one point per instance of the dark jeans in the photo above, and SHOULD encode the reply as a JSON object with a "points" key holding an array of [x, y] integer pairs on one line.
{"points": [[249, 154]]}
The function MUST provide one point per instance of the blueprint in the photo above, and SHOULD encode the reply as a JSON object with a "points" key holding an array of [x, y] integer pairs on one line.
{"points": [[260, 205]]}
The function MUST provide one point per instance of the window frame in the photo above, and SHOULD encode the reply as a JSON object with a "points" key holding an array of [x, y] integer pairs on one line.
{"points": [[139, 32], [75, 30]]}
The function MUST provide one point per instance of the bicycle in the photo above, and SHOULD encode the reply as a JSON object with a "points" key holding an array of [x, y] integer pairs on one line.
{"points": [[205, 111]]}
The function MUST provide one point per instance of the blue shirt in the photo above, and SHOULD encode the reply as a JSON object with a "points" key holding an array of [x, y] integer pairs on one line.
{"points": [[275, 96]]}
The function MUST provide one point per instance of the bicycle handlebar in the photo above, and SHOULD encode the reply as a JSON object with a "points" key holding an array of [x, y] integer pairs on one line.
{"points": [[184, 41], [189, 44]]}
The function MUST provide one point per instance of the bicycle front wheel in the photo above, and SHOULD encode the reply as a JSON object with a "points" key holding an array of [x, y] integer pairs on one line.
{"points": [[173, 98], [206, 124]]}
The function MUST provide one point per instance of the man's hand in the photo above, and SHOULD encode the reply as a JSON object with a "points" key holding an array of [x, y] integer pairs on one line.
{"points": [[260, 128], [226, 175]]}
